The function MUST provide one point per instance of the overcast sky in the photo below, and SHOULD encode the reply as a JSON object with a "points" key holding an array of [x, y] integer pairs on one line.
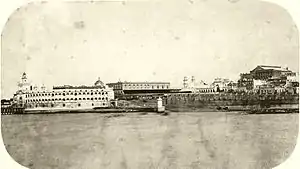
{"points": [[75, 43]]}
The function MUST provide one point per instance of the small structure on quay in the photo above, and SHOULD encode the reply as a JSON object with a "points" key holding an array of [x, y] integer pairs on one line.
{"points": [[160, 107]]}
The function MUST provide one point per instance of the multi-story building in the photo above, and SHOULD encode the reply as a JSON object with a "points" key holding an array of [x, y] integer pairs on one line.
{"points": [[63, 97], [246, 81], [121, 88], [262, 72], [221, 84]]}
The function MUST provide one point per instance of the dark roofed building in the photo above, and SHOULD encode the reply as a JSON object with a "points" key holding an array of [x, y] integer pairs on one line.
{"points": [[262, 72], [121, 88]]}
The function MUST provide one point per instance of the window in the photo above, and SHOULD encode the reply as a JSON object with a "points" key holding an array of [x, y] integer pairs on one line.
{"points": [[75, 99], [75, 94], [79, 105], [52, 105], [83, 98], [88, 98], [64, 94], [92, 93], [87, 93], [64, 105], [92, 99], [95, 98], [71, 98], [64, 99], [92, 104], [67, 98]]}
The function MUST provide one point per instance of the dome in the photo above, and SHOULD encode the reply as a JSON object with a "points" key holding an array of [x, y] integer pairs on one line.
{"points": [[99, 83]]}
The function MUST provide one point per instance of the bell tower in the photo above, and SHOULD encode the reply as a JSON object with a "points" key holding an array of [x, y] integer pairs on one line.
{"points": [[24, 85]]}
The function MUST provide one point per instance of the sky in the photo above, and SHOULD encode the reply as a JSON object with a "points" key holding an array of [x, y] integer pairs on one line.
{"points": [[76, 42]]}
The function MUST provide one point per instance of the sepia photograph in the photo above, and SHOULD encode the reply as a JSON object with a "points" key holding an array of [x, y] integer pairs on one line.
{"points": [[152, 84]]}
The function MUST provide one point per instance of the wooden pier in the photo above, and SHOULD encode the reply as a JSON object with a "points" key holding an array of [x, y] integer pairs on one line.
{"points": [[11, 110]]}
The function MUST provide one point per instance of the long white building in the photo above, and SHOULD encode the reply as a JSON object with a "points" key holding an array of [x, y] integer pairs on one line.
{"points": [[63, 97]]}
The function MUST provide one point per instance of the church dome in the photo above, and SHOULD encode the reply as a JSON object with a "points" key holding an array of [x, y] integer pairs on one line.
{"points": [[99, 83]]}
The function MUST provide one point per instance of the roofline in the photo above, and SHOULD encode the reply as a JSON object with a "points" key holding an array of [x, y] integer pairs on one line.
{"points": [[77, 87], [269, 66], [139, 83]]}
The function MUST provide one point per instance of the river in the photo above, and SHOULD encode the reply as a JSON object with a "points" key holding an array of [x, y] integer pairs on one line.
{"points": [[214, 140]]}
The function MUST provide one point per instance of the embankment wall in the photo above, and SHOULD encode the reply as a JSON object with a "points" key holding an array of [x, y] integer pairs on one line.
{"points": [[213, 101]]}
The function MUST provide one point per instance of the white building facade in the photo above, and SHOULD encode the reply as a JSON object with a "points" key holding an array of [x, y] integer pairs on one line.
{"points": [[64, 97]]}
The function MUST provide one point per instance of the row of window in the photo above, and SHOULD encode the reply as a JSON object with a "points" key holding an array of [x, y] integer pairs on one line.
{"points": [[207, 91], [64, 105], [64, 94], [60, 99], [141, 85], [153, 87]]}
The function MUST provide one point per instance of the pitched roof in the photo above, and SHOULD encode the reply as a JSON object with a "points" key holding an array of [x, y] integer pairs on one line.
{"points": [[266, 67]]}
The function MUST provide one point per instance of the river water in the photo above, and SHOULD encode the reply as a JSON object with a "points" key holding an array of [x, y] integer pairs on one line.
{"points": [[214, 140]]}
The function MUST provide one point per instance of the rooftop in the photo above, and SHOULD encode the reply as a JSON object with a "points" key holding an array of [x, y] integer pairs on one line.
{"points": [[279, 68], [77, 87], [139, 83]]}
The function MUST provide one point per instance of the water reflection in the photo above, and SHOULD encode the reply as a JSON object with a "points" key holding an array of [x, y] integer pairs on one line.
{"points": [[180, 140]]}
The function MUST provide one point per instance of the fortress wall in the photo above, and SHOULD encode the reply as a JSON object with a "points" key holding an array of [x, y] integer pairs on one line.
{"points": [[226, 99]]}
